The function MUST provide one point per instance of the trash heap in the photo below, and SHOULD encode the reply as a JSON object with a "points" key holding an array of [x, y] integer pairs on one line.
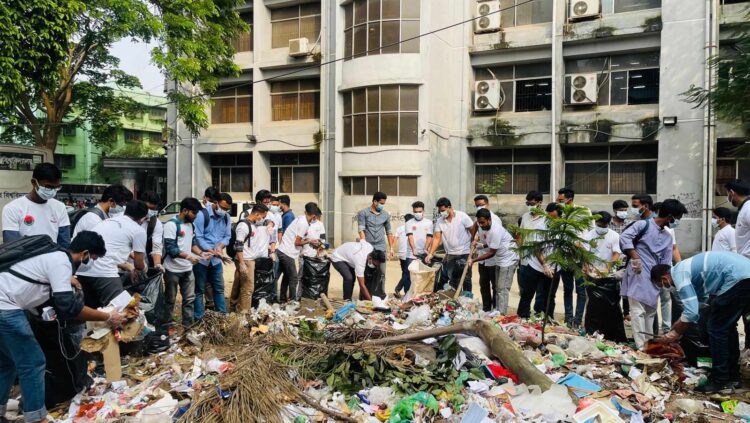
{"points": [[431, 359]]}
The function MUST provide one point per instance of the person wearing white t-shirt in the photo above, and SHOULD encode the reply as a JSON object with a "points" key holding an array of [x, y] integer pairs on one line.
{"points": [[453, 230], [404, 253], [38, 213], [497, 262], [154, 230], [481, 201], [350, 260], [28, 284], [111, 204], [738, 194], [419, 238], [295, 237], [123, 235], [252, 241], [724, 240]]}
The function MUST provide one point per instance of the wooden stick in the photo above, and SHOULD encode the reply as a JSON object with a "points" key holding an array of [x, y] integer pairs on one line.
{"points": [[326, 302], [325, 410], [467, 266]]}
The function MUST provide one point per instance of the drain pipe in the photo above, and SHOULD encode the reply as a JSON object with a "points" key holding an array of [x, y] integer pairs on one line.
{"points": [[556, 99], [709, 125]]}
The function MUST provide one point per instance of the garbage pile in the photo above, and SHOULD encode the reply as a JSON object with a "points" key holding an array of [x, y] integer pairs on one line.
{"points": [[432, 358]]}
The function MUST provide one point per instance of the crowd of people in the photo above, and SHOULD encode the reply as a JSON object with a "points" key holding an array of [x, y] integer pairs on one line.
{"points": [[49, 255]]}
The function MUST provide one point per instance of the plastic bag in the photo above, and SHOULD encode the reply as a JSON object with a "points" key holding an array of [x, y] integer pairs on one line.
{"points": [[403, 411], [375, 283], [580, 347], [419, 316], [422, 279], [316, 272], [265, 288], [603, 312]]}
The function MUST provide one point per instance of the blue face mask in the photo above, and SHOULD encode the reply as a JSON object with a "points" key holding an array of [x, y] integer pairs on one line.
{"points": [[380, 207], [220, 212]]}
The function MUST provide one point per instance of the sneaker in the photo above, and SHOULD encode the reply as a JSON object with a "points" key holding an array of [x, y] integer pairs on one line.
{"points": [[713, 387], [396, 294]]}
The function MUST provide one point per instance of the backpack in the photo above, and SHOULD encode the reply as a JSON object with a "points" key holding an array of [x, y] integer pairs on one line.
{"points": [[149, 234], [25, 248], [231, 250], [75, 216], [206, 219]]}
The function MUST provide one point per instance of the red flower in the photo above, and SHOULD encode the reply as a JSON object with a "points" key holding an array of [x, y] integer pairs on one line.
{"points": [[28, 220], [182, 233]]}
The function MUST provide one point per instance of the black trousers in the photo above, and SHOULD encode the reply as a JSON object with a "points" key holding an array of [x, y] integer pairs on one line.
{"points": [[99, 291], [290, 281], [454, 267], [487, 285], [347, 274]]}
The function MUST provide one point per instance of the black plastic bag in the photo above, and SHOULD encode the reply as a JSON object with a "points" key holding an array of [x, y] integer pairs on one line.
{"points": [[316, 272], [153, 304], [603, 312], [695, 342], [374, 281], [264, 283]]}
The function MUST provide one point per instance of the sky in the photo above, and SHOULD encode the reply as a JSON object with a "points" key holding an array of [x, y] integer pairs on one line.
{"points": [[135, 59]]}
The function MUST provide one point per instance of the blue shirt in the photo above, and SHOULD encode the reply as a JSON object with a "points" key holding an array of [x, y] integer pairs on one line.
{"points": [[705, 275], [286, 219], [218, 231], [654, 247]]}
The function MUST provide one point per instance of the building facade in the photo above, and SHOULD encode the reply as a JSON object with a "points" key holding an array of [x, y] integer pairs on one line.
{"points": [[523, 95]]}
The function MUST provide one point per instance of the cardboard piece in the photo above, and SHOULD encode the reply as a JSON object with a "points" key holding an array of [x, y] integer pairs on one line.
{"points": [[111, 355]]}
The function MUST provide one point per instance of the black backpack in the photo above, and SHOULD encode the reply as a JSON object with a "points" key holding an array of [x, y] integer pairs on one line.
{"points": [[75, 216], [149, 234], [25, 248], [231, 250]]}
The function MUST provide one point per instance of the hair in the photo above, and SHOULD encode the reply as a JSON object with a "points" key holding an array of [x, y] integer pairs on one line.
{"points": [[737, 185], [443, 202], [553, 207], [117, 193], [46, 172], [190, 204], [659, 270], [408, 217], [534, 196], [484, 214], [567, 192], [481, 197], [258, 208], [620, 204], [274, 198], [225, 197], [672, 207], [379, 196], [284, 199], [150, 197], [604, 217], [136, 209], [212, 193], [88, 240], [378, 256], [262, 195], [313, 209], [723, 213], [644, 199], [417, 204]]}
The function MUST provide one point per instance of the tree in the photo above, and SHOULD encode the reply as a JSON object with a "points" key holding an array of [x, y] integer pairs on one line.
{"points": [[494, 186], [55, 65]]}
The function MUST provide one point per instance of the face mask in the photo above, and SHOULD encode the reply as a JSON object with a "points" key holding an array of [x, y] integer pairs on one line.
{"points": [[418, 216], [379, 207], [714, 223], [116, 213], [675, 224], [635, 211], [444, 214], [601, 231], [481, 207], [116, 210], [220, 212], [531, 208], [561, 202], [46, 193], [274, 209], [622, 215], [260, 222], [370, 265], [152, 213], [729, 198]]}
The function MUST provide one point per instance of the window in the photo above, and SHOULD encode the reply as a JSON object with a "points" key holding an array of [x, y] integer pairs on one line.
{"points": [[404, 186], [621, 169], [295, 173], [245, 40], [521, 12], [232, 104], [512, 170], [295, 100], [623, 79], [65, 161], [380, 26], [157, 114], [133, 136], [524, 88], [232, 172], [293, 22], [154, 137], [728, 165], [381, 115], [69, 130], [619, 6]]}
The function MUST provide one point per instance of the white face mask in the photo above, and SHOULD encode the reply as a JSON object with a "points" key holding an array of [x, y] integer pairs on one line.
{"points": [[675, 224], [46, 193], [444, 214], [714, 223], [274, 209], [481, 207], [220, 212], [601, 231], [116, 210], [370, 265], [418, 216], [152, 213], [622, 215], [635, 212]]}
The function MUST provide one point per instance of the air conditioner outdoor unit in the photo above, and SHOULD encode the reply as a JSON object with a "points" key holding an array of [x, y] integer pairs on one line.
{"points": [[488, 16], [487, 95], [299, 47], [580, 9], [583, 88]]}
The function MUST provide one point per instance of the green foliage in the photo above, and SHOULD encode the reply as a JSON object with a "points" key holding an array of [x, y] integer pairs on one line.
{"points": [[603, 31], [136, 151], [494, 185], [652, 24], [308, 330], [501, 132], [649, 127]]}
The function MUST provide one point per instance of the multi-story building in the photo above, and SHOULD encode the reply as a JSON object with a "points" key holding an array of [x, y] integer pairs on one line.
{"points": [[339, 99]]}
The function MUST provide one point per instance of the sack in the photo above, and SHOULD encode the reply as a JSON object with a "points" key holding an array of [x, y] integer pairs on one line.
{"points": [[265, 288], [232, 247], [316, 273], [603, 312], [75, 216], [422, 279], [153, 304], [25, 248]]}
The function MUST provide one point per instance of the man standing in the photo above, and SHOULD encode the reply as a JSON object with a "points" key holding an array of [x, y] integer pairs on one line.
{"points": [[481, 201], [620, 216], [497, 262], [38, 213], [374, 225], [724, 240], [252, 242], [295, 237], [738, 192], [641, 206], [566, 197], [403, 257], [418, 239], [722, 280], [647, 243], [182, 255], [533, 219], [122, 235], [154, 230], [26, 285], [213, 229], [287, 215], [112, 204], [453, 229]]}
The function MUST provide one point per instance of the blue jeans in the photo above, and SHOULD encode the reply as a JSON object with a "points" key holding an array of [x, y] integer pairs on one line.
{"points": [[213, 274], [21, 355], [405, 281], [726, 310]]}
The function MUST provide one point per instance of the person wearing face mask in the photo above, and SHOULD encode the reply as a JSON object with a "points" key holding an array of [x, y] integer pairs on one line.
{"points": [[620, 216], [418, 239], [26, 285], [111, 204], [38, 213], [497, 262], [738, 193], [665, 295], [351, 259], [374, 226], [481, 201], [527, 279], [154, 230], [210, 195], [724, 240], [252, 243], [181, 256], [295, 237], [403, 257], [647, 243], [573, 316], [641, 206], [101, 280], [213, 230], [453, 228], [287, 215]]}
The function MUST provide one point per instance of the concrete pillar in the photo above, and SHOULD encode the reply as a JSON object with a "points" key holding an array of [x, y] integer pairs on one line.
{"points": [[128, 178]]}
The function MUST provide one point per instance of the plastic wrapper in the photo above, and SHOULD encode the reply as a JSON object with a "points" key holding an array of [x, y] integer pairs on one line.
{"points": [[316, 272], [419, 316]]}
